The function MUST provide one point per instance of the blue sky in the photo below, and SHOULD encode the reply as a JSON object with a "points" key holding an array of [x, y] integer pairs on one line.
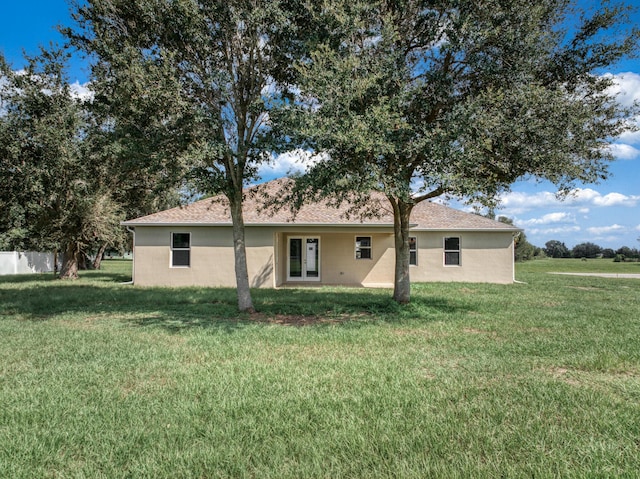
{"points": [[607, 214]]}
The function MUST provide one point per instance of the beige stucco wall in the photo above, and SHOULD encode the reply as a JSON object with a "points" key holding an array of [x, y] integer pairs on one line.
{"points": [[338, 264], [485, 257], [212, 261]]}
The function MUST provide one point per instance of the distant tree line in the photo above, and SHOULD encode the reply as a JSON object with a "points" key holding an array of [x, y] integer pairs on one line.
{"points": [[525, 251], [557, 249]]}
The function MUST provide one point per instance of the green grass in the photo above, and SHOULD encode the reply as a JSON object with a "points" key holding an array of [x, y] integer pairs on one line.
{"points": [[101, 379]]}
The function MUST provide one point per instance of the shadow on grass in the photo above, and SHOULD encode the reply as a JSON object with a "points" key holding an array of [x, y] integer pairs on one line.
{"points": [[100, 296], [109, 277], [27, 278]]}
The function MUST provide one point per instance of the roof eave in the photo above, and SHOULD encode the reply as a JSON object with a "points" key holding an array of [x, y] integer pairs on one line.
{"points": [[413, 227], [482, 230], [292, 224]]}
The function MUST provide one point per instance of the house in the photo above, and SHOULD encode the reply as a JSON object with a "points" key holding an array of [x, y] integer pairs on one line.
{"points": [[192, 245]]}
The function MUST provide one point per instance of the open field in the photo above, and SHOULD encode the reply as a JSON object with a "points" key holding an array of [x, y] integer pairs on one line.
{"points": [[100, 379]]}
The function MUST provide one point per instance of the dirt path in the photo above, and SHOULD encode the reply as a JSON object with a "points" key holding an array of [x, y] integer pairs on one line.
{"points": [[605, 275]]}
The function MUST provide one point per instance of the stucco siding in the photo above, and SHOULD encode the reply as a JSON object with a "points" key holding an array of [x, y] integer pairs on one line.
{"points": [[212, 259], [485, 257], [338, 259]]}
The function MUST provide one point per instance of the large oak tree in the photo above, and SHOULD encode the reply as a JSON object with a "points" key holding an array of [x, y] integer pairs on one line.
{"points": [[423, 98], [228, 61], [51, 191]]}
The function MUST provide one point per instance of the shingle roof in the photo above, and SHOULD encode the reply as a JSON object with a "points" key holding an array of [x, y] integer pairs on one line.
{"points": [[215, 211]]}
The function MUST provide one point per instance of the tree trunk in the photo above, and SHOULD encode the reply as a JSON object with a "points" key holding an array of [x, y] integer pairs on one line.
{"points": [[245, 304], [55, 263], [98, 259], [402, 279], [83, 261], [69, 269]]}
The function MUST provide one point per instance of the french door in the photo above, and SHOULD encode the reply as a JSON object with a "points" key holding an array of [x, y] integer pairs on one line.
{"points": [[303, 258]]}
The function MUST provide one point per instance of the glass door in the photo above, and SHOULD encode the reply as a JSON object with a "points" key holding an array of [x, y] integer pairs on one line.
{"points": [[312, 259], [303, 259]]}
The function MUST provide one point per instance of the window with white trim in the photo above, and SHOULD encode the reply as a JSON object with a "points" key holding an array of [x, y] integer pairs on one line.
{"points": [[413, 251], [180, 250], [452, 251], [363, 247]]}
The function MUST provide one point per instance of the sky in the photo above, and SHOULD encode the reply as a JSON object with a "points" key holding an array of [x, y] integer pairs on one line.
{"points": [[607, 213]]}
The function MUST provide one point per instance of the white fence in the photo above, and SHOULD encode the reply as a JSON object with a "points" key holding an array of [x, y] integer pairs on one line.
{"points": [[15, 262]]}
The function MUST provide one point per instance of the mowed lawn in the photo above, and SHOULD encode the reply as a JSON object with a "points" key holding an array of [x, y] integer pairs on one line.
{"points": [[539, 379]]}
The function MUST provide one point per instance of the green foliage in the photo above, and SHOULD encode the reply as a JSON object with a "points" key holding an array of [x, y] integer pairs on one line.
{"points": [[556, 249], [523, 250], [469, 380], [141, 125], [201, 77], [51, 196], [628, 252], [205, 73], [458, 99], [586, 250]]}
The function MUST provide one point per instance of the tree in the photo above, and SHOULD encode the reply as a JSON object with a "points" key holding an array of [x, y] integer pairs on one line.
{"points": [[586, 250], [522, 249], [49, 196], [627, 252], [419, 99], [231, 61], [140, 125], [556, 249]]}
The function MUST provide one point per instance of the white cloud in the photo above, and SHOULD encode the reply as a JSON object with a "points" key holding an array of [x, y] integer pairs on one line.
{"points": [[622, 151], [583, 195], [638, 227], [632, 137], [517, 202], [296, 161], [626, 87], [603, 230], [553, 231], [616, 199], [551, 218], [81, 92]]}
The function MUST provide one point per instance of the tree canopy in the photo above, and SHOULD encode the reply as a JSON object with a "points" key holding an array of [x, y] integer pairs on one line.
{"points": [[586, 250], [220, 65], [419, 99], [556, 249], [51, 195]]}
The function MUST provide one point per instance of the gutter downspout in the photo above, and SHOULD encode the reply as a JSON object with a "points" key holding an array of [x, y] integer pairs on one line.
{"points": [[513, 267], [133, 254], [513, 256]]}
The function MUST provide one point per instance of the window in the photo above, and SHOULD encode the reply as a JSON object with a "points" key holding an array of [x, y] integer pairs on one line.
{"points": [[363, 247], [180, 250], [413, 251], [452, 251]]}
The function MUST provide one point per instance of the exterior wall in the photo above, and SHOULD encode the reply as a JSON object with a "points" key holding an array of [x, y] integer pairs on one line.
{"points": [[485, 257], [212, 260], [338, 264]]}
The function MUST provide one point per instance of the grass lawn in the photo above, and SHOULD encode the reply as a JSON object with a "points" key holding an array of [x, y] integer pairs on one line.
{"points": [[540, 379]]}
